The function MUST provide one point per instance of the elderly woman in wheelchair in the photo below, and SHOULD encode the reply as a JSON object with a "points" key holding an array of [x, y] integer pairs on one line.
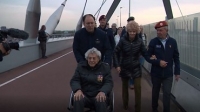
{"points": [[92, 83]]}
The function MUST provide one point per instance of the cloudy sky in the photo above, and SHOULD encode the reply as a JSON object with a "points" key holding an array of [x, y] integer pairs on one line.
{"points": [[13, 12]]}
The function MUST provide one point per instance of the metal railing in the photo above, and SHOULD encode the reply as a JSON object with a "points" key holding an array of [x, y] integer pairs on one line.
{"points": [[60, 36]]}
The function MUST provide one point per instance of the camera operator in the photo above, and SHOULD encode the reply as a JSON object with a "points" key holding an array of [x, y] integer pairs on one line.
{"points": [[3, 52], [9, 39]]}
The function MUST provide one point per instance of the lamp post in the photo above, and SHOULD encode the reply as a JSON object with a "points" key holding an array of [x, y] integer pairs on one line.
{"points": [[120, 16], [117, 20], [129, 8]]}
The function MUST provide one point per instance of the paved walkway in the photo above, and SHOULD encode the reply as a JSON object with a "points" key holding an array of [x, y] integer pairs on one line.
{"points": [[43, 86]]}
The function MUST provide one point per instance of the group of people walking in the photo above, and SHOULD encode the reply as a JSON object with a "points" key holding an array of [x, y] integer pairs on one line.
{"points": [[98, 49]]}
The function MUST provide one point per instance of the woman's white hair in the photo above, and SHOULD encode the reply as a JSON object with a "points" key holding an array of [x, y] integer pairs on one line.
{"points": [[91, 51]]}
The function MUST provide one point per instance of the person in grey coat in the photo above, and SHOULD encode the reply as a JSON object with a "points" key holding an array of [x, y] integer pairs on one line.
{"points": [[92, 82]]}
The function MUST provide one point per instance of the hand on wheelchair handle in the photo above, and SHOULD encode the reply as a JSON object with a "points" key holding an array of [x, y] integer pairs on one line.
{"points": [[118, 69], [2, 48], [101, 97], [78, 95]]}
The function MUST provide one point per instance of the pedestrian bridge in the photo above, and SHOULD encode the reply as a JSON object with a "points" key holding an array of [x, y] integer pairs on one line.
{"points": [[31, 84]]}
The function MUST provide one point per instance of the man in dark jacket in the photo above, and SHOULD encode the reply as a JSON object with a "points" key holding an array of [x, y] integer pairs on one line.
{"points": [[42, 37], [89, 37], [165, 49], [91, 83], [108, 31]]}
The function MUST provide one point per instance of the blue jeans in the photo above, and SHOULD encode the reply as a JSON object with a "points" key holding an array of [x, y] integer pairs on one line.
{"points": [[131, 81], [141, 60]]}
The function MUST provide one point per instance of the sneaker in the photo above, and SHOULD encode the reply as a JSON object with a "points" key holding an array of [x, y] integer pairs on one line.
{"points": [[44, 57], [125, 107], [155, 110], [131, 86]]}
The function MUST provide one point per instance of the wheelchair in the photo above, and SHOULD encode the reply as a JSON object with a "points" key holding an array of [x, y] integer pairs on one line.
{"points": [[110, 107]]}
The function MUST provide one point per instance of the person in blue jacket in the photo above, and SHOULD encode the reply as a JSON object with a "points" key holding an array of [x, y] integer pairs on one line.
{"points": [[89, 37], [165, 50]]}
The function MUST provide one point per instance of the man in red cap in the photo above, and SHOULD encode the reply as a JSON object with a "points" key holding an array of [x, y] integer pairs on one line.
{"points": [[161, 24], [109, 33], [102, 26], [165, 50]]}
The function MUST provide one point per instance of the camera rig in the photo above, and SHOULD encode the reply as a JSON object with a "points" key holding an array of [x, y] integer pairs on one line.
{"points": [[13, 34]]}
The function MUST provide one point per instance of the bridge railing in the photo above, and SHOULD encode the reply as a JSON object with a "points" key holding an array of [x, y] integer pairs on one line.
{"points": [[60, 35]]}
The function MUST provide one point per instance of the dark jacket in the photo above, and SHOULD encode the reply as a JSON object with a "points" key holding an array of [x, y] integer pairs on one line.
{"points": [[145, 38], [126, 56], [1, 56], [109, 33], [114, 32], [169, 54], [86, 79], [42, 37], [123, 32], [83, 41]]}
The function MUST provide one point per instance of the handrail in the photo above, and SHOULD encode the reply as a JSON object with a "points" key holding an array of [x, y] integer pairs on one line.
{"points": [[60, 35]]}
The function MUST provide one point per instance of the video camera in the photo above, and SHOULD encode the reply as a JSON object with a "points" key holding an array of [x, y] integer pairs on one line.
{"points": [[14, 34]]}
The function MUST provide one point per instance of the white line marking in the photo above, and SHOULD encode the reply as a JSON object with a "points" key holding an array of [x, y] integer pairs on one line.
{"points": [[7, 82]]}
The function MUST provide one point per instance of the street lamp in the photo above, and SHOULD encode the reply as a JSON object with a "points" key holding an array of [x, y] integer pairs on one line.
{"points": [[120, 16], [129, 8], [117, 21]]}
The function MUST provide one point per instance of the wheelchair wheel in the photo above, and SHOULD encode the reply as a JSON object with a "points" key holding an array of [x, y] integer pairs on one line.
{"points": [[70, 101], [111, 108]]}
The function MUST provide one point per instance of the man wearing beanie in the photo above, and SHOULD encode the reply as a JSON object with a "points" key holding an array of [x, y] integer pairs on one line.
{"points": [[131, 18], [165, 50]]}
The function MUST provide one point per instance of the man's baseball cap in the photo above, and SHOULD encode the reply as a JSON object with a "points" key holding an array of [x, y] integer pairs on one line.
{"points": [[161, 24]]}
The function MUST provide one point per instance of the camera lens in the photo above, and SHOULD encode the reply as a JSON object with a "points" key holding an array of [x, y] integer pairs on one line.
{"points": [[14, 45]]}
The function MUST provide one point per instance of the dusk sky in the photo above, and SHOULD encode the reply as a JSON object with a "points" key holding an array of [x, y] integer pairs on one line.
{"points": [[13, 12]]}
